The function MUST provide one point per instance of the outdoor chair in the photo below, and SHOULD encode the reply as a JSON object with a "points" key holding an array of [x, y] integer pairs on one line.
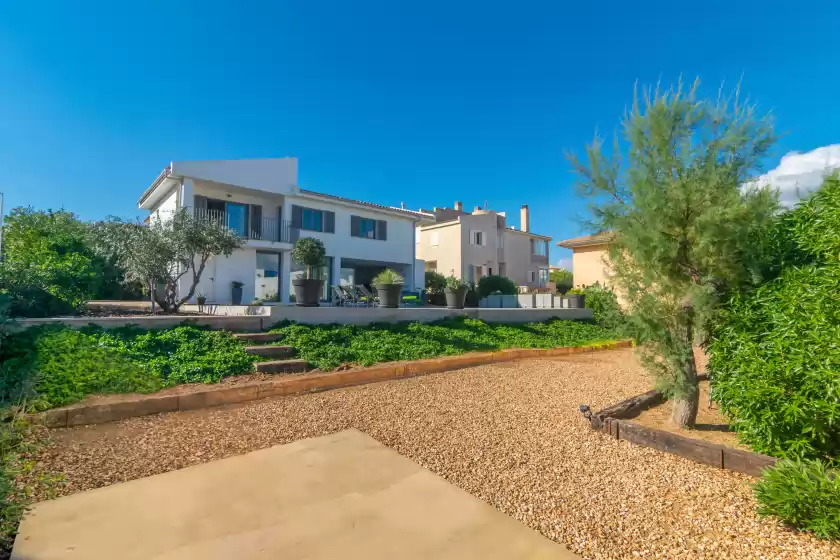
{"points": [[367, 297], [352, 295], [342, 298]]}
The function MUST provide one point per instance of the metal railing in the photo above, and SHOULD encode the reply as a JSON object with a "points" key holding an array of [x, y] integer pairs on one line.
{"points": [[264, 229]]}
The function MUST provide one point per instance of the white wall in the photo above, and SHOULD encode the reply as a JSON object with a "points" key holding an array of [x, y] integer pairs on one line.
{"points": [[398, 248], [241, 266], [167, 205], [277, 175]]}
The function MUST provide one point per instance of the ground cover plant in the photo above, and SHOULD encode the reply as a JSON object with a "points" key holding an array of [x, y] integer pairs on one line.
{"points": [[329, 346], [61, 366]]}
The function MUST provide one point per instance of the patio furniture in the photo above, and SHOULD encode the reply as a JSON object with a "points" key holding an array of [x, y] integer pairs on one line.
{"points": [[367, 296], [353, 295], [342, 298]]}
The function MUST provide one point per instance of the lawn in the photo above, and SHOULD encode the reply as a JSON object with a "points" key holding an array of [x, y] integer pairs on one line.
{"points": [[329, 346]]}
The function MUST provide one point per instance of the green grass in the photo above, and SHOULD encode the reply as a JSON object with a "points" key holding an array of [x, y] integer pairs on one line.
{"points": [[328, 346], [55, 365]]}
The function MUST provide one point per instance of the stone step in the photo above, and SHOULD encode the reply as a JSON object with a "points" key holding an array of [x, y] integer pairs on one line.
{"points": [[258, 337], [271, 351], [282, 366]]}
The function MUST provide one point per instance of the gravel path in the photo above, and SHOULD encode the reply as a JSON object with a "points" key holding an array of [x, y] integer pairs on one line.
{"points": [[508, 433]]}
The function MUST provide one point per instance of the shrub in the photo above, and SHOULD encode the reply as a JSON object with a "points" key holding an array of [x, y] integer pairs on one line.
{"points": [[575, 291], [388, 276], [329, 346], [453, 283], [496, 284], [803, 494], [309, 252], [435, 282], [605, 309], [563, 280]]}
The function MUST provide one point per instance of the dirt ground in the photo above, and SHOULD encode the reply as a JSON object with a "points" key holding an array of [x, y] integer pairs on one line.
{"points": [[509, 433]]}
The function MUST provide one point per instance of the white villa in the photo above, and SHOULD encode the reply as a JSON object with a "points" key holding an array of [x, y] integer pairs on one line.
{"points": [[261, 200]]}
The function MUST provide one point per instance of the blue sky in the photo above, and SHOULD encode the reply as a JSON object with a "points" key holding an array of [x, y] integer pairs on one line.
{"points": [[422, 103]]}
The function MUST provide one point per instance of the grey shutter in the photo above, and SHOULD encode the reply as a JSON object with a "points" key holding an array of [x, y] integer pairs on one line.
{"points": [[255, 214], [329, 222], [382, 230], [355, 226], [297, 217]]}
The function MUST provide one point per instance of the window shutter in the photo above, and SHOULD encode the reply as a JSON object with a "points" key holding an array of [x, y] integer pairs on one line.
{"points": [[483, 239], [297, 217], [329, 222], [382, 230], [355, 226]]}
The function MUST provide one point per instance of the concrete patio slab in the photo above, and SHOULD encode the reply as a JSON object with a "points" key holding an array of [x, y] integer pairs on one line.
{"points": [[338, 496]]}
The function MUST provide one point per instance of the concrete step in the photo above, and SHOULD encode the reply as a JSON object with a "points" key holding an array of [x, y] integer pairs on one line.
{"points": [[271, 351], [258, 337], [282, 366]]}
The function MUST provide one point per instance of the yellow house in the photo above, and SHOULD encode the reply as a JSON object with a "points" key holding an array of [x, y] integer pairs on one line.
{"points": [[589, 258]]}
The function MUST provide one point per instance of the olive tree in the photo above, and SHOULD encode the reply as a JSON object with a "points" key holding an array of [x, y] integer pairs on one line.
{"points": [[167, 250], [682, 206]]}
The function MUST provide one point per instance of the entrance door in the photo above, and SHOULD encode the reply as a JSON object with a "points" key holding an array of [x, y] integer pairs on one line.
{"points": [[267, 285]]}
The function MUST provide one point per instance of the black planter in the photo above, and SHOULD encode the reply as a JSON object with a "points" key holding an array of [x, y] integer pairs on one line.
{"points": [[236, 295], [307, 292], [389, 294], [455, 298], [576, 301]]}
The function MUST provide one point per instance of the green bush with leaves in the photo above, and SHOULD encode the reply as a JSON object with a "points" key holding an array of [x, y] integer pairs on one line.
{"points": [[774, 358], [605, 309], [803, 494], [453, 283], [388, 276], [492, 284], [563, 280], [329, 346]]}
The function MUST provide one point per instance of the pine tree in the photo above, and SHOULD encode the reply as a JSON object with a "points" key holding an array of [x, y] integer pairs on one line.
{"points": [[682, 205]]}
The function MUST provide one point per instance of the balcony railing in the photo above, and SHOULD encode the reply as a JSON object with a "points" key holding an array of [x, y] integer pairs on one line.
{"points": [[262, 229]]}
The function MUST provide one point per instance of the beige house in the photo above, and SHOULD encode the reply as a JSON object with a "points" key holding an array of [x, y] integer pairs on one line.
{"points": [[589, 258], [470, 245]]}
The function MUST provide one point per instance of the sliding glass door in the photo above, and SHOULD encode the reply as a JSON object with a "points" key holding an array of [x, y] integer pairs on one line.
{"points": [[237, 218]]}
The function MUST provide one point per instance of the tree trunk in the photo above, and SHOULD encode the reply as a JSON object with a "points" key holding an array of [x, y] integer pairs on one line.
{"points": [[687, 398]]}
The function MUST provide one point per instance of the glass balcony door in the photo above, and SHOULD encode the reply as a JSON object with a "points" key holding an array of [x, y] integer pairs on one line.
{"points": [[237, 218]]}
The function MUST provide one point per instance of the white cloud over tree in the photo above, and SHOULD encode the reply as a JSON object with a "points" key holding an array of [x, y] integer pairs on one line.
{"points": [[801, 173]]}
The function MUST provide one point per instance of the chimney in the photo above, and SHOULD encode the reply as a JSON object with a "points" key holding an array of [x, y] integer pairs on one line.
{"points": [[525, 219], [459, 206]]}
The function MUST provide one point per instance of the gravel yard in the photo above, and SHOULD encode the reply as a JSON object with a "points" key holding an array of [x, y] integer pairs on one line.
{"points": [[509, 433]]}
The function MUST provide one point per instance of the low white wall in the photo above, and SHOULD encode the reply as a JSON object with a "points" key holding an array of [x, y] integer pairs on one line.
{"points": [[230, 323], [367, 315]]}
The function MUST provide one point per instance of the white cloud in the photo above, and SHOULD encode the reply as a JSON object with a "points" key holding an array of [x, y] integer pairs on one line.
{"points": [[798, 174], [564, 263]]}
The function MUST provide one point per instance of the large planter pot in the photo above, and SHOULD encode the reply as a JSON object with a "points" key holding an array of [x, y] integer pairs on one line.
{"points": [[455, 298], [236, 296], [307, 292], [576, 301], [389, 294]]}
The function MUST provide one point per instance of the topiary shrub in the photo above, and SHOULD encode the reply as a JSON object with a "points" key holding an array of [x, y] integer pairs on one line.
{"points": [[803, 494], [496, 284], [309, 252]]}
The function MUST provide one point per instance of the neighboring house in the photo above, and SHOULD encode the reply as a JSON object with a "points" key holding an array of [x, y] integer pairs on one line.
{"points": [[589, 258], [471, 245], [261, 200]]}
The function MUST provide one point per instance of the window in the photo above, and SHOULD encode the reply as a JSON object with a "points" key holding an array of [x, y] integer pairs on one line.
{"points": [[368, 228], [313, 220], [532, 276], [324, 273], [479, 271], [543, 277], [477, 238], [435, 239], [540, 247]]}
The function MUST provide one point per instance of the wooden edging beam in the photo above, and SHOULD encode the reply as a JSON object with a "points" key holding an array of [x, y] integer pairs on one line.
{"points": [[216, 396]]}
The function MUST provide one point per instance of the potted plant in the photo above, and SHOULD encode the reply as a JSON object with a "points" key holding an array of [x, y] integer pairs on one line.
{"points": [[455, 292], [576, 298], [236, 292], [310, 253], [200, 299], [388, 285]]}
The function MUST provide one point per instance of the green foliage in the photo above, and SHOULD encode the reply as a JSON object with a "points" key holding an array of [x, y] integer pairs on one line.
{"points": [[681, 218], [496, 284], [388, 276], [453, 283], [166, 250], [774, 358], [328, 346], [803, 494], [61, 366], [604, 304], [575, 292], [563, 279], [51, 267], [309, 252], [435, 282]]}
